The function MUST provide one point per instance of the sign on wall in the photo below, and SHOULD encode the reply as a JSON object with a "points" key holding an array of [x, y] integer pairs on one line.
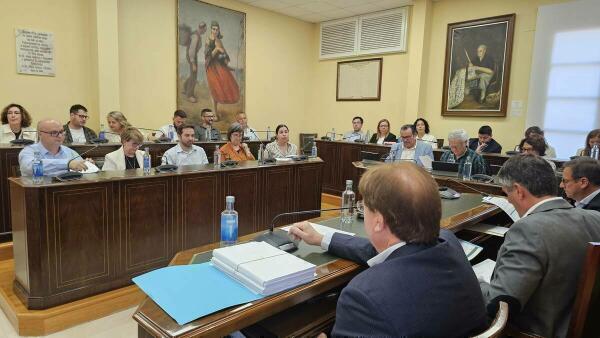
{"points": [[35, 52]]}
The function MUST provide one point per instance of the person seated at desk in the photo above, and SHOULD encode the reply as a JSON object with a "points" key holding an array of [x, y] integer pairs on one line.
{"points": [[410, 149], [128, 156], [581, 182], [185, 152], [536, 145], [234, 149], [117, 123], [356, 134], [459, 152], [56, 158], [485, 143], [281, 147], [179, 117], [249, 133], [206, 132], [535, 130], [592, 138], [423, 134], [540, 262], [383, 135], [417, 281], [16, 123], [75, 130]]}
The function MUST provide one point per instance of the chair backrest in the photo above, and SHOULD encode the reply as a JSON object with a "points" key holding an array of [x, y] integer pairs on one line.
{"points": [[440, 143], [499, 323], [586, 310]]}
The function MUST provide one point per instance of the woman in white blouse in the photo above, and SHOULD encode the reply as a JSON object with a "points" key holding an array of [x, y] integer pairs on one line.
{"points": [[281, 147], [117, 122], [422, 128], [16, 123]]}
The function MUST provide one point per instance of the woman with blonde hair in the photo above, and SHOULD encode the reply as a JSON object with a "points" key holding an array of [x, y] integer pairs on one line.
{"points": [[383, 134], [117, 122]]}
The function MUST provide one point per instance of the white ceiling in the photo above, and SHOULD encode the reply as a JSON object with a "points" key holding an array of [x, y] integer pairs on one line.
{"points": [[324, 10]]}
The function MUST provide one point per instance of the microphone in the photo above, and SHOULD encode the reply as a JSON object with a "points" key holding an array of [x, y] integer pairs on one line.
{"points": [[103, 140], [74, 175], [469, 187], [166, 167], [162, 139], [280, 238], [22, 141]]}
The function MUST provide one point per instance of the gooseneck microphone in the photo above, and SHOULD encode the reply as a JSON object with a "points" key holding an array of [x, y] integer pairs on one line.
{"points": [[166, 167], [23, 141], [74, 175]]}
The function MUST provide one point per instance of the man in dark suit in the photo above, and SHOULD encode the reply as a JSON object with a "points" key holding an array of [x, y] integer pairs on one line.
{"points": [[485, 143], [419, 282], [539, 264], [581, 181]]}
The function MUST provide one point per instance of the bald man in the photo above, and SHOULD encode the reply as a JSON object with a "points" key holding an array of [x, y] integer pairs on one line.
{"points": [[56, 158]]}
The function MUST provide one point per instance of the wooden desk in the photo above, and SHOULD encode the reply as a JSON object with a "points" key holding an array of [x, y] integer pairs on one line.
{"points": [[9, 167], [154, 322], [72, 240]]}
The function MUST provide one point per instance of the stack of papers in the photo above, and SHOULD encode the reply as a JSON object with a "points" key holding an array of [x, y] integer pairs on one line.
{"points": [[262, 268], [484, 270], [503, 204], [471, 250]]}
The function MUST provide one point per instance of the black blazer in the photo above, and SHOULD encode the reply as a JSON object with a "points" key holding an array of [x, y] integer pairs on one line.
{"points": [[492, 146], [594, 204], [390, 138]]}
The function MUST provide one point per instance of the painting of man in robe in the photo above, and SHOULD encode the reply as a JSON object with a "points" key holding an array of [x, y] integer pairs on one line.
{"points": [[478, 67], [211, 61]]}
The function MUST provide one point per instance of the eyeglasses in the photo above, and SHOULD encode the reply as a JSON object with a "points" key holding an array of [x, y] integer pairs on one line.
{"points": [[406, 137], [85, 117], [54, 133], [213, 116], [360, 207]]}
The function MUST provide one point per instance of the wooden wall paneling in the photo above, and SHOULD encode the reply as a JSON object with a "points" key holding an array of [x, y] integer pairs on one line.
{"points": [[244, 186], [307, 197], [348, 154], [9, 167], [197, 202], [328, 152], [277, 197]]}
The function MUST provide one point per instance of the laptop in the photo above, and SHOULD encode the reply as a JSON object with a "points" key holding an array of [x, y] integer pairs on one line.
{"points": [[370, 157], [444, 168]]}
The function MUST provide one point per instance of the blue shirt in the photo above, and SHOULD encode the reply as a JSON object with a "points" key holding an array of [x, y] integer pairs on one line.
{"points": [[54, 164]]}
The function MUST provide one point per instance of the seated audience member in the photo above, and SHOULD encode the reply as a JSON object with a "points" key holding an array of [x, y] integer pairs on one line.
{"points": [[185, 152], [128, 156], [206, 132], [410, 263], [485, 143], [16, 123], [179, 117], [249, 133], [117, 123], [356, 134], [459, 152], [535, 130], [593, 137], [410, 149], [536, 145], [383, 134], [56, 158], [423, 134], [281, 147], [581, 182], [75, 130], [539, 264], [235, 149]]}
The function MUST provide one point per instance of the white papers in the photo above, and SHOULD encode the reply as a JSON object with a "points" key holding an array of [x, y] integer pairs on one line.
{"points": [[323, 230], [484, 270], [426, 160], [91, 168], [489, 229], [503, 204], [471, 250]]}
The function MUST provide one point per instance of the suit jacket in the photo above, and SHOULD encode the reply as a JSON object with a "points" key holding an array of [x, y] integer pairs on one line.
{"points": [[423, 149], [594, 204], [89, 134], [389, 138], [492, 146], [419, 290], [539, 265], [6, 134], [116, 160]]}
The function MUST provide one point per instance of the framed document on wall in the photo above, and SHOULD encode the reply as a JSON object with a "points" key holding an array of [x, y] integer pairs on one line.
{"points": [[359, 80]]}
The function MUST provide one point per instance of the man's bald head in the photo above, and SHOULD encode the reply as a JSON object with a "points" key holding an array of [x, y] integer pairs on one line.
{"points": [[47, 123]]}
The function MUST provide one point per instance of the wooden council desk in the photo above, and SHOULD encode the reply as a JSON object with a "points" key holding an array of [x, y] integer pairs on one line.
{"points": [[76, 239], [331, 272]]}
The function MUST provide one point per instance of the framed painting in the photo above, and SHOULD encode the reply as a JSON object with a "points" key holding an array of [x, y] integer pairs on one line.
{"points": [[359, 80], [477, 67], [211, 61]]}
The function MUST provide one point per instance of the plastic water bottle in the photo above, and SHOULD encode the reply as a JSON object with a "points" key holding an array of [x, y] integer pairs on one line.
{"points": [[260, 153], [268, 134], [229, 223], [451, 158], [147, 164], [38, 168], [171, 133], [217, 157], [102, 133], [348, 197], [595, 152], [333, 134], [467, 168], [368, 136], [313, 150]]}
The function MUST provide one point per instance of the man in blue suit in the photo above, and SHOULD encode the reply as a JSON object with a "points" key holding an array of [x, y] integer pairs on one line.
{"points": [[409, 149], [418, 281]]}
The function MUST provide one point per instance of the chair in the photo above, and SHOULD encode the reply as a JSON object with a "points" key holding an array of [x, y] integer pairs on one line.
{"points": [[440, 143], [586, 309], [497, 327]]}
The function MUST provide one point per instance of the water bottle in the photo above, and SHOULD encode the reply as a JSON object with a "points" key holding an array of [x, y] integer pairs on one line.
{"points": [[268, 134], [595, 152], [147, 164], [368, 136], [217, 157], [260, 153], [171, 133], [348, 197], [451, 158], [333, 134], [101, 134], [467, 168], [38, 168], [313, 150], [229, 223]]}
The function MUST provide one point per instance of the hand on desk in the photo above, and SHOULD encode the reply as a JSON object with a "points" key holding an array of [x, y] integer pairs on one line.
{"points": [[77, 165], [304, 231]]}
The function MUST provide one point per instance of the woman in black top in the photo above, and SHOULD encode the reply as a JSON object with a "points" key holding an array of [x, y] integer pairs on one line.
{"points": [[383, 134]]}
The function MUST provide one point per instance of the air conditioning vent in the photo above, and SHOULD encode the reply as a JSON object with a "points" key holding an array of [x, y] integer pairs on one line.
{"points": [[338, 38]]}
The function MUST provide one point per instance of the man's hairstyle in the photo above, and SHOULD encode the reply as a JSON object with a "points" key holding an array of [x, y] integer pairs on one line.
{"points": [[25, 117], [585, 167], [180, 113], [424, 122], [409, 126], [234, 128], [534, 130], [485, 130], [358, 117], [204, 111], [185, 126], [76, 107], [537, 142], [586, 149], [458, 134], [239, 113], [133, 134], [530, 171], [407, 198], [380, 122]]}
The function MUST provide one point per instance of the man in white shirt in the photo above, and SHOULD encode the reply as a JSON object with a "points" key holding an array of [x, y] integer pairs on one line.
{"points": [[356, 134], [179, 117], [581, 181], [75, 130], [249, 133], [185, 152]]}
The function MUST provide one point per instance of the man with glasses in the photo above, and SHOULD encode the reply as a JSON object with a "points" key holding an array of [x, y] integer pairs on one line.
{"points": [[356, 134], [206, 132], [56, 158], [75, 130], [581, 181], [410, 149]]}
